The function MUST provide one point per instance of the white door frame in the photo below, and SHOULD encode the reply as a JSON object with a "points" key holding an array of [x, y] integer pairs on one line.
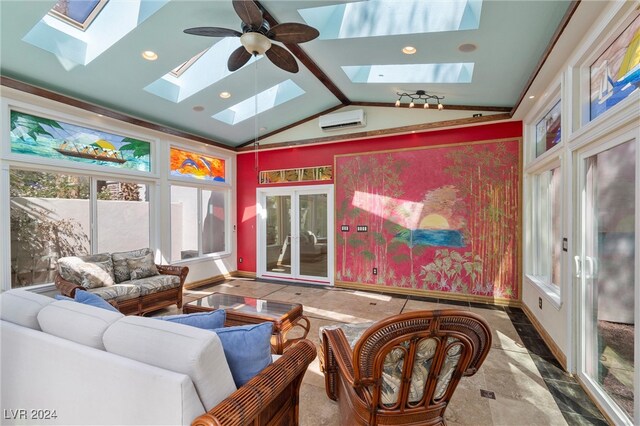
{"points": [[261, 216], [580, 277]]}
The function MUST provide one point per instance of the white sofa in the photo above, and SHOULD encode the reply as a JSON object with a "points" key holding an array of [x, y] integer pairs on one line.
{"points": [[67, 363]]}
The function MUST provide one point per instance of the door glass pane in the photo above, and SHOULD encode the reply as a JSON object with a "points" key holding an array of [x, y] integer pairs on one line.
{"points": [[608, 269], [313, 234], [213, 224], [184, 223], [278, 234], [49, 219], [123, 209]]}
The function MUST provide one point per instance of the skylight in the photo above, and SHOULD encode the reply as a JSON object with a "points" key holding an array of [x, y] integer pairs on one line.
{"points": [[270, 98], [392, 17], [410, 73], [79, 13], [198, 73], [73, 46]]}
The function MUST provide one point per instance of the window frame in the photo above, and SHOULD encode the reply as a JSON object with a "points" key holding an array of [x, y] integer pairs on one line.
{"points": [[226, 191]]}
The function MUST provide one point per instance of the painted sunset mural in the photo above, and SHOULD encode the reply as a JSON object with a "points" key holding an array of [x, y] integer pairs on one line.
{"points": [[439, 219]]}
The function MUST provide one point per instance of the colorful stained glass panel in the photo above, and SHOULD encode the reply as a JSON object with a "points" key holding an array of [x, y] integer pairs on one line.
{"points": [[548, 131], [616, 73], [196, 166], [57, 140]]}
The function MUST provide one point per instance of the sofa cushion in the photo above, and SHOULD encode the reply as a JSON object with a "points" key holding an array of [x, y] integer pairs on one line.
{"points": [[207, 320], [77, 322], [88, 271], [247, 349], [91, 299], [142, 267], [21, 307], [124, 291], [156, 283], [120, 267], [176, 347]]}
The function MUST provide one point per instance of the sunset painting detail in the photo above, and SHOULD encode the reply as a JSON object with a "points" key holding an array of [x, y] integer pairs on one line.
{"points": [[439, 219], [197, 166]]}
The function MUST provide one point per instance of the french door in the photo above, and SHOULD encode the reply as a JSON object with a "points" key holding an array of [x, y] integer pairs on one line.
{"points": [[295, 233], [606, 276]]}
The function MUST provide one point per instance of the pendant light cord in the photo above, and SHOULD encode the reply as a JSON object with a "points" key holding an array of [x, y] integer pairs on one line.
{"points": [[255, 120]]}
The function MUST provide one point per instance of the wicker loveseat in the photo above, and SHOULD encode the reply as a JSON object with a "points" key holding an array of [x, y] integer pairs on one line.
{"points": [[129, 280]]}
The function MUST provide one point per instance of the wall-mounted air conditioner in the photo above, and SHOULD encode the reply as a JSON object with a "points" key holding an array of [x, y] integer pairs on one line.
{"points": [[342, 120]]}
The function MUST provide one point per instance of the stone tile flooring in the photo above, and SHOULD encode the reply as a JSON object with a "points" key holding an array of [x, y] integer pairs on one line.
{"points": [[528, 384]]}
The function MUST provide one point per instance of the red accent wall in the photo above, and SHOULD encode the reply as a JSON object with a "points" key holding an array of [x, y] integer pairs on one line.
{"points": [[322, 155]]}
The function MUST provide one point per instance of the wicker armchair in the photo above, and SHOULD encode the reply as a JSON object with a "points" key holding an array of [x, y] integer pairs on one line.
{"points": [[404, 369]]}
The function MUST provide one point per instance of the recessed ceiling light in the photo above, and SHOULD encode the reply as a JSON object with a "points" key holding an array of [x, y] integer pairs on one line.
{"points": [[409, 50], [198, 108], [150, 55], [467, 47], [532, 96], [225, 95]]}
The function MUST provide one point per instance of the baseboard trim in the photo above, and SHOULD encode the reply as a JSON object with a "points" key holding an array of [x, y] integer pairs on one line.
{"points": [[551, 344], [243, 274], [207, 281], [429, 293]]}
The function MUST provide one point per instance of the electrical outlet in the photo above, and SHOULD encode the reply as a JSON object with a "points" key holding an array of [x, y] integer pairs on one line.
{"points": [[239, 260], [375, 271], [344, 228], [362, 228], [540, 302]]}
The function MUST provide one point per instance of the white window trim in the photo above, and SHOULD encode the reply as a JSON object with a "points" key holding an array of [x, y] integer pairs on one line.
{"points": [[226, 191]]}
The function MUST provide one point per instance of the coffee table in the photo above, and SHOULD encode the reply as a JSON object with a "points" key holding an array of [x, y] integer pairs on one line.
{"points": [[242, 310]]}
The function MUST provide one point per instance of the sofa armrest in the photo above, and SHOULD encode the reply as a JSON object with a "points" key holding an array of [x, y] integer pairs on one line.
{"points": [[265, 395], [180, 271], [67, 288]]}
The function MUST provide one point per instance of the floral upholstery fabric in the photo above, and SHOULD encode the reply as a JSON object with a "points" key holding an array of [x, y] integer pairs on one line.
{"points": [[91, 271], [450, 364], [118, 292], [394, 363], [120, 267], [141, 267], [156, 283]]}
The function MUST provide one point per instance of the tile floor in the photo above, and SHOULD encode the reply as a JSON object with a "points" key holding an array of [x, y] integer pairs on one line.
{"points": [[526, 384]]}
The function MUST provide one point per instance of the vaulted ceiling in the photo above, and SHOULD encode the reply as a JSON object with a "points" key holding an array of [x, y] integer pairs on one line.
{"points": [[477, 54]]}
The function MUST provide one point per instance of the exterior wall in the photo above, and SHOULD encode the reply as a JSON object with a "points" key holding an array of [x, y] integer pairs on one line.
{"points": [[321, 155]]}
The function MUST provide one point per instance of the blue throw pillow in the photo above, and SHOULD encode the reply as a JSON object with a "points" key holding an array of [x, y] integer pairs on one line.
{"points": [[61, 297], [91, 299], [247, 349], [207, 320]]}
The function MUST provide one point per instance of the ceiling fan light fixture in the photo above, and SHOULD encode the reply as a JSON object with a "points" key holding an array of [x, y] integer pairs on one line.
{"points": [[255, 43]]}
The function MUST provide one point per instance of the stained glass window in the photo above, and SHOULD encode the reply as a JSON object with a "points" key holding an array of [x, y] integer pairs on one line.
{"points": [[48, 138], [197, 166], [616, 73], [548, 131]]}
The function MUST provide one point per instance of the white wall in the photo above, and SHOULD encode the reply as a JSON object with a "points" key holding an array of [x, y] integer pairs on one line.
{"points": [[158, 180]]}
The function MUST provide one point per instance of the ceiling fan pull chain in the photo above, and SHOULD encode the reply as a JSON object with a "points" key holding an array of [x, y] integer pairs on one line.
{"points": [[255, 120]]}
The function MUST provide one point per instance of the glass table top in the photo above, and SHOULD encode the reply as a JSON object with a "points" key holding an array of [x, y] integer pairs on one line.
{"points": [[243, 304]]}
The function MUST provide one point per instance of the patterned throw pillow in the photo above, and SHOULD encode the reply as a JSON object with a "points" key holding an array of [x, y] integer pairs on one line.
{"points": [[121, 270], [142, 267], [85, 272]]}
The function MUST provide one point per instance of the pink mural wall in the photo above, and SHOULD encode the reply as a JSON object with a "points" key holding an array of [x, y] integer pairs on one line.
{"points": [[440, 218]]}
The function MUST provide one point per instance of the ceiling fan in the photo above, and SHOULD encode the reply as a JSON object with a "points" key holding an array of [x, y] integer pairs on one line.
{"points": [[256, 37]]}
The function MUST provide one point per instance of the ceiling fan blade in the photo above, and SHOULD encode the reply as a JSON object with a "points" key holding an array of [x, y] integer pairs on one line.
{"points": [[248, 12], [282, 58], [213, 32], [238, 58], [293, 32]]}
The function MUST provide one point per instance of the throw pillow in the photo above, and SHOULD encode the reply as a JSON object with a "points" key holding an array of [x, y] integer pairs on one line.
{"points": [[91, 299], [121, 270], [247, 349], [142, 267], [87, 273], [207, 320], [61, 297]]}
